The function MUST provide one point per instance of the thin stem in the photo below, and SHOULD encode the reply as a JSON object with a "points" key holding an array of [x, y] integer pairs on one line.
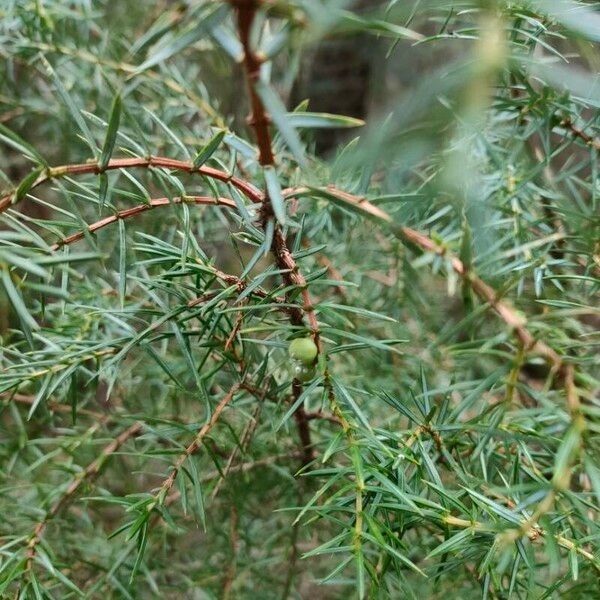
{"points": [[504, 310], [196, 443], [250, 191], [89, 473], [534, 534], [579, 133], [302, 422], [286, 261], [258, 118], [243, 445], [140, 208], [259, 121]]}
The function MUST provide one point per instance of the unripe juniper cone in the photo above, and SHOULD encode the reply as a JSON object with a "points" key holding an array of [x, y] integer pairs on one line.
{"points": [[303, 350], [303, 372]]}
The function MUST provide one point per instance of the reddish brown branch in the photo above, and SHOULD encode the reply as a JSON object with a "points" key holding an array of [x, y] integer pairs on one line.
{"points": [[258, 119], [158, 202], [250, 191], [54, 406], [324, 416], [140, 208], [579, 133], [89, 473], [504, 310], [286, 261]]}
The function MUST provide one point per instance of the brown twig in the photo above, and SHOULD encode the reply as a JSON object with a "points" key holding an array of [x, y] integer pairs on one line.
{"points": [[250, 191], [286, 261], [89, 473], [243, 445], [140, 208], [322, 415], [196, 443], [504, 310], [579, 133], [258, 119]]}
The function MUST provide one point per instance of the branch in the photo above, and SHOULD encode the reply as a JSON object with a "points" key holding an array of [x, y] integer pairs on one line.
{"points": [[156, 203], [89, 473], [534, 534], [504, 310], [140, 208], [258, 118], [196, 443], [250, 191], [55, 406], [259, 121], [579, 133]]}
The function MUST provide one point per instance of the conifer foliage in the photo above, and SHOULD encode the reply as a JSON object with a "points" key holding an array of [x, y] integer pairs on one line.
{"points": [[232, 368]]}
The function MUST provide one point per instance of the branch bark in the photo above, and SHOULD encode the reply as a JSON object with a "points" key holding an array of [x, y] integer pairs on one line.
{"points": [[258, 119], [251, 192], [140, 208]]}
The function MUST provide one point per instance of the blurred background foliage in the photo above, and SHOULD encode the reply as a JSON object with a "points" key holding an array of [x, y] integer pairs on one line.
{"points": [[449, 457]]}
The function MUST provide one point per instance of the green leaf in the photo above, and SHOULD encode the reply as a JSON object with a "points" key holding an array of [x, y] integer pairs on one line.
{"points": [[299, 401], [457, 541], [71, 106], [27, 321], [274, 193], [176, 43], [573, 15], [207, 151], [12, 139], [197, 488], [494, 507], [568, 450], [111, 133], [228, 40], [23, 263], [102, 190], [170, 133], [26, 184], [122, 262], [142, 539], [310, 120]]}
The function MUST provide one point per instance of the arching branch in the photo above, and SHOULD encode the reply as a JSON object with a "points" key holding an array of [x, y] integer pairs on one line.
{"points": [[92, 167], [141, 208]]}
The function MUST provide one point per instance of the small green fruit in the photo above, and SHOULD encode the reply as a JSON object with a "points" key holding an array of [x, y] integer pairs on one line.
{"points": [[303, 372], [304, 350]]}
